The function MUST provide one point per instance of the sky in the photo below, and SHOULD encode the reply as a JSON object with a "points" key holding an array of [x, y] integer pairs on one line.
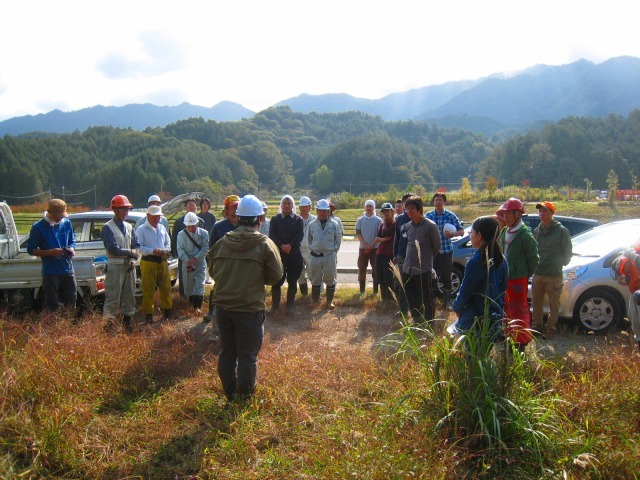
{"points": [[70, 55]]}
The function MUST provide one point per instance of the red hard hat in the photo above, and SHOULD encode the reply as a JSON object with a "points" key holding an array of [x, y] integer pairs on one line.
{"points": [[120, 201], [512, 204]]}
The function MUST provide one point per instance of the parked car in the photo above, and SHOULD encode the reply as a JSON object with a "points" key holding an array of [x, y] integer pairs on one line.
{"points": [[21, 273], [591, 297], [87, 227], [463, 250]]}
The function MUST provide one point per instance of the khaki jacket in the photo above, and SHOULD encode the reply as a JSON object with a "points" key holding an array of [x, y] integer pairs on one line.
{"points": [[242, 263]]}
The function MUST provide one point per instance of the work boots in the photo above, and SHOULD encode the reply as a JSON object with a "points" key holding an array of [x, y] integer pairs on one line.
{"points": [[148, 318], [315, 293], [197, 303], [166, 314], [276, 293], [212, 311], [291, 297], [331, 290], [127, 321], [304, 289]]}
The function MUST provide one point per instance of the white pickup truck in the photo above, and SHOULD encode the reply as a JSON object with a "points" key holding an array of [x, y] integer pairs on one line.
{"points": [[21, 274]]}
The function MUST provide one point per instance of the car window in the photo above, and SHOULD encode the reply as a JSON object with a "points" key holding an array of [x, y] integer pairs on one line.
{"points": [[96, 228], [601, 240], [3, 228], [577, 227], [77, 230]]}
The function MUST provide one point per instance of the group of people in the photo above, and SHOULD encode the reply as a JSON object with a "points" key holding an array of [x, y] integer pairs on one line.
{"points": [[495, 283], [302, 247]]}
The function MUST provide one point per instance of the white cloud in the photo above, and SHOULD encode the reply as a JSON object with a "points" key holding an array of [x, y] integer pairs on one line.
{"points": [[78, 54], [157, 54]]}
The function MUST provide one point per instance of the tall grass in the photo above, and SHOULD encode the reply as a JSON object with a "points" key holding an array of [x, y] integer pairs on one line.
{"points": [[480, 396]]}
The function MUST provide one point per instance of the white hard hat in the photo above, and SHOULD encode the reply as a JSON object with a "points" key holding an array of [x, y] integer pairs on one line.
{"points": [[191, 219], [323, 204], [154, 210], [449, 227], [249, 206], [304, 202], [264, 206], [153, 198]]}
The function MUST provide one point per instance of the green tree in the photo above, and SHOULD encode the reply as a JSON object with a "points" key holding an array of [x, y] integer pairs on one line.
{"points": [[323, 179], [587, 189], [465, 192], [491, 184], [612, 185]]}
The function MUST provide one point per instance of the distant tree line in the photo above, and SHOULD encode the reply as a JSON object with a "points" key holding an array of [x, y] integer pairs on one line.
{"points": [[280, 150]]}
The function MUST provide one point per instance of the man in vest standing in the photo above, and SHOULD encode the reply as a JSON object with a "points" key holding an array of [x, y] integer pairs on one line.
{"points": [[121, 244]]}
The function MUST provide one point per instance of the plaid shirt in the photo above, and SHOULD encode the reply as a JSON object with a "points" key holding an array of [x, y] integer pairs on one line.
{"points": [[447, 216]]}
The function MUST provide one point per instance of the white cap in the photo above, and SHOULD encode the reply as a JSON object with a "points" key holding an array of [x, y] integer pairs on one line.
{"points": [[153, 198], [154, 210], [191, 219], [249, 206], [370, 202], [304, 202], [323, 204], [264, 206]]}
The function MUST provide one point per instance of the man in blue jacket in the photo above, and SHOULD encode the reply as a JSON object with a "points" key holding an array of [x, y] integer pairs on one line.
{"points": [[52, 240]]}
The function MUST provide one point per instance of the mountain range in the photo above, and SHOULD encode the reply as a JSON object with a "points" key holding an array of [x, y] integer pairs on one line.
{"points": [[541, 93]]}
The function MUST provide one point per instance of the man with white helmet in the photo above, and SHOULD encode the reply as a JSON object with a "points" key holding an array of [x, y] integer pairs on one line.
{"points": [[193, 245], [324, 238], [264, 225], [443, 261], [242, 263], [307, 217], [121, 244], [153, 200], [190, 205], [155, 248]]}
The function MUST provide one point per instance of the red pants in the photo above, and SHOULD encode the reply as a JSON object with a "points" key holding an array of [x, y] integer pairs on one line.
{"points": [[517, 313]]}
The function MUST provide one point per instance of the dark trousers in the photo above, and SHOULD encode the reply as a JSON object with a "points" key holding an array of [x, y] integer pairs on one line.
{"points": [[443, 264], [365, 259], [293, 265], [241, 335], [57, 289], [420, 295], [384, 275], [400, 288]]}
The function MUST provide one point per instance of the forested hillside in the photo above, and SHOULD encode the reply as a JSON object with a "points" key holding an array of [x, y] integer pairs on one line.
{"points": [[279, 150]]}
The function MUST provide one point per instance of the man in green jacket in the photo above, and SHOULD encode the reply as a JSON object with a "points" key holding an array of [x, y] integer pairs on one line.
{"points": [[243, 262], [521, 251], [554, 248]]}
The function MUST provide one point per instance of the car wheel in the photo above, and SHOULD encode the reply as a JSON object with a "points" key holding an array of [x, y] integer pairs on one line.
{"points": [[456, 279], [597, 310]]}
